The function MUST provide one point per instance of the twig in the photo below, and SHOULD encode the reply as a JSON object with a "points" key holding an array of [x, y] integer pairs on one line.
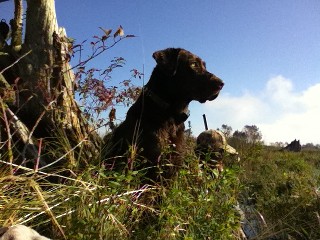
{"points": [[96, 53], [8, 133], [31, 171], [139, 191], [107, 199], [60, 158], [15, 62], [33, 129], [47, 208], [38, 157]]}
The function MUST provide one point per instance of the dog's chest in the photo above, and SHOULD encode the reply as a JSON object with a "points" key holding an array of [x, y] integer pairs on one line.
{"points": [[171, 134]]}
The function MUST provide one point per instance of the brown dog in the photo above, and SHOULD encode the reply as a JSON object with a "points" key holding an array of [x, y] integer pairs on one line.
{"points": [[156, 120]]}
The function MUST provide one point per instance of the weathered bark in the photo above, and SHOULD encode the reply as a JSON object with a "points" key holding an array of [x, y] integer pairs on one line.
{"points": [[16, 24], [46, 103]]}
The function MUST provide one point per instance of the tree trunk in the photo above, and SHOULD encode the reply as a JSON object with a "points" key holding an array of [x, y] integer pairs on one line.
{"points": [[46, 103]]}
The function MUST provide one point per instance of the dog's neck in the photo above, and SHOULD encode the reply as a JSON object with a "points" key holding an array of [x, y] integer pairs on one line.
{"points": [[179, 115]]}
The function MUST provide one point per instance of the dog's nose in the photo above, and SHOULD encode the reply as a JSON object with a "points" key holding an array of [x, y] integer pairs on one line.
{"points": [[217, 81], [221, 84]]}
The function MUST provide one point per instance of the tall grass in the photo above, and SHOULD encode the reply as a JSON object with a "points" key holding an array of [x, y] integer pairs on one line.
{"points": [[201, 203], [284, 188]]}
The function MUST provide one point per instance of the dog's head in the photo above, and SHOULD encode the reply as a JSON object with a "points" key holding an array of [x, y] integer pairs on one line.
{"points": [[188, 75]]}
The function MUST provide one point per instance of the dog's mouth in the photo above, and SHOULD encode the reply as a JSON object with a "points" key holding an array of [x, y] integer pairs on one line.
{"points": [[214, 96], [210, 98], [210, 88]]}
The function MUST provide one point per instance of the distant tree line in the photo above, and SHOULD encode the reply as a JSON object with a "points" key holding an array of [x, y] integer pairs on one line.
{"points": [[249, 134], [252, 134]]}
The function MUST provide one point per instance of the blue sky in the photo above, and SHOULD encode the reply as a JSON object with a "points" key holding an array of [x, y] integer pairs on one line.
{"points": [[267, 53]]}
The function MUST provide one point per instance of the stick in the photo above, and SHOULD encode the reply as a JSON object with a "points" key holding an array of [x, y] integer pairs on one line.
{"points": [[205, 122]]}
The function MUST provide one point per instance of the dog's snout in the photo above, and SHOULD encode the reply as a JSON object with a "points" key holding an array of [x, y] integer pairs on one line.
{"points": [[221, 84], [217, 82]]}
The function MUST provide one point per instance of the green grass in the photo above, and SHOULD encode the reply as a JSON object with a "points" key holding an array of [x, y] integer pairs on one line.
{"points": [[200, 203], [285, 189]]}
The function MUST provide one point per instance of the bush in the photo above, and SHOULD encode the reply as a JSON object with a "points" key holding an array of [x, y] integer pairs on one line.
{"points": [[283, 186], [201, 203]]}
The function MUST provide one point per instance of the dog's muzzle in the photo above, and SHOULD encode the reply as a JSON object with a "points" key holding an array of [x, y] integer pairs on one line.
{"points": [[216, 88]]}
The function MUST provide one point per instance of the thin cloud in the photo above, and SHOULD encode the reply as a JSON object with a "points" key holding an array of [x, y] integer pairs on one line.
{"points": [[281, 113]]}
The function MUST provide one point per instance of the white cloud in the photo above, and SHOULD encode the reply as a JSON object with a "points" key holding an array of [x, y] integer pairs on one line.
{"points": [[280, 112], [280, 95]]}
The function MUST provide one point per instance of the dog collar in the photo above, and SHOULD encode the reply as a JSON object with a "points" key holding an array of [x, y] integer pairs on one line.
{"points": [[183, 116], [179, 117], [163, 104]]}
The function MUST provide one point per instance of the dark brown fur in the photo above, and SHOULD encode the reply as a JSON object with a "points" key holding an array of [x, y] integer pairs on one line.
{"points": [[156, 120]]}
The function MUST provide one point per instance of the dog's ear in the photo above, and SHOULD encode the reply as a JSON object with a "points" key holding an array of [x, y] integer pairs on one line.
{"points": [[167, 59]]}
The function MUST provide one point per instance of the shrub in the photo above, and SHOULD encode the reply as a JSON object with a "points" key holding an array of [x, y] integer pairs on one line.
{"points": [[284, 188]]}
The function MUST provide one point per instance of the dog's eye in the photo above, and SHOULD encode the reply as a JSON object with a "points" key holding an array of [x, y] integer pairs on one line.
{"points": [[194, 65]]}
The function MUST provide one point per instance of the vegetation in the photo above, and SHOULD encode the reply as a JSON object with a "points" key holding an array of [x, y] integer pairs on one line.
{"points": [[284, 188], [53, 180], [281, 187]]}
